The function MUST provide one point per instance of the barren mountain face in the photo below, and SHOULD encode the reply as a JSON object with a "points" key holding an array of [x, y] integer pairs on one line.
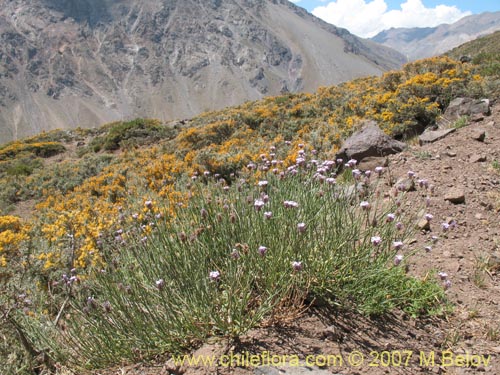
{"points": [[69, 63], [420, 42]]}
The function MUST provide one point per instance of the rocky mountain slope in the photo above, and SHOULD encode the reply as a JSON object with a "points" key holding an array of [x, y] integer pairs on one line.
{"points": [[421, 42], [83, 63]]}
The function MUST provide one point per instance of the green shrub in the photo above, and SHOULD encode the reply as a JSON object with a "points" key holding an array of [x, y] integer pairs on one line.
{"points": [[221, 265]]}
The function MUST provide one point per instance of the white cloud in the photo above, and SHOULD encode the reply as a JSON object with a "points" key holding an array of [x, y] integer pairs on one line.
{"points": [[367, 18]]}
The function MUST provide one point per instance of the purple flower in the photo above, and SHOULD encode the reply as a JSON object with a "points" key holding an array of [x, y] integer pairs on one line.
{"points": [[160, 284], [268, 214], [297, 266], [91, 302], [434, 239], [379, 170], [368, 173], [428, 217], [107, 306], [376, 240], [428, 249], [423, 183], [390, 218], [262, 250], [214, 275], [445, 226], [148, 204], [398, 245], [398, 259], [365, 205], [263, 183], [331, 181], [356, 173], [251, 166], [447, 284], [352, 163], [301, 145], [235, 254], [443, 275], [290, 204], [301, 227], [206, 173], [258, 204], [399, 225], [411, 174]]}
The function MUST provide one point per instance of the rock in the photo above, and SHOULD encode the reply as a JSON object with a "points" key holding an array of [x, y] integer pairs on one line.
{"points": [[494, 261], [430, 136], [423, 224], [455, 196], [466, 107], [370, 141], [478, 117], [405, 184], [478, 135], [372, 162], [451, 154], [476, 158]]}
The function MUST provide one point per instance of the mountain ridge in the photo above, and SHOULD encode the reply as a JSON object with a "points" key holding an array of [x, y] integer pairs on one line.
{"points": [[66, 64], [422, 42]]}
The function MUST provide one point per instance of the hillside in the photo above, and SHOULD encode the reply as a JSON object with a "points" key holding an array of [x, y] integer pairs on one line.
{"points": [[417, 43], [64, 65], [123, 245]]}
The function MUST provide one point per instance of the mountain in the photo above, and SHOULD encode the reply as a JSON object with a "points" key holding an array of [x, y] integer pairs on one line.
{"points": [[417, 43], [69, 63]]}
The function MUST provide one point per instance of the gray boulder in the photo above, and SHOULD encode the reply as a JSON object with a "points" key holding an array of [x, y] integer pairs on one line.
{"points": [[466, 107], [430, 136], [370, 141]]}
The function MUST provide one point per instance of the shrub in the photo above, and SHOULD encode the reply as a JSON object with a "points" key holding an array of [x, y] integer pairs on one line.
{"points": [[218, 265]]}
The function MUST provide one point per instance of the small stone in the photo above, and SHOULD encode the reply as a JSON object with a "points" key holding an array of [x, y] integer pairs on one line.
{"points": [[494, 261], [451, 154], [478, 135], [455, 196], [478, 216], [423, 224], [405, 184], [477, 117], [430, 136], [476, 158]]}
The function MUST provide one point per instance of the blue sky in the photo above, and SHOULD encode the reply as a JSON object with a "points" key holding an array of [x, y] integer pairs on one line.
{"points": [[475, 6], [366, 18]]}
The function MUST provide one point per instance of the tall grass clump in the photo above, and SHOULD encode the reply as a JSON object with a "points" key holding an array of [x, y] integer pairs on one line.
{"points": [[260, 249]]}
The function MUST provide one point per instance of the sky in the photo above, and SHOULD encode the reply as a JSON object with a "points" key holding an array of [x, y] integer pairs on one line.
{"points": [[366, 18]]}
